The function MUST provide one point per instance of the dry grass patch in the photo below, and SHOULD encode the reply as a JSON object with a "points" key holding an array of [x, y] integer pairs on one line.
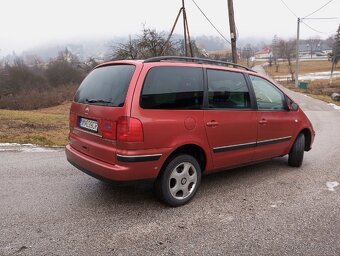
{"points": [[46, 127], [304, 67], [319, 89]]}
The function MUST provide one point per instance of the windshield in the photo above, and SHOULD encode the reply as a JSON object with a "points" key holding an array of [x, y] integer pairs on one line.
{"points": [[106, 86]]}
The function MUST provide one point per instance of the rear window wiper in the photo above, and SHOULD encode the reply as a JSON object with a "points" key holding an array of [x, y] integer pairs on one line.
{"points": [[99, 101]]}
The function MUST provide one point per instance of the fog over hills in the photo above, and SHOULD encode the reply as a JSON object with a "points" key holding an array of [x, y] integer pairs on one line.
{"points": [[101, 48]]}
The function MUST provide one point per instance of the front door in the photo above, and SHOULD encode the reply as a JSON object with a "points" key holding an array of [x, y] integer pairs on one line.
{"points": [[275, 122]]}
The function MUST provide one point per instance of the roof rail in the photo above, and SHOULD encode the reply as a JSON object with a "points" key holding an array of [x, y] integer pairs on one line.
{"points": [[197, 60]]}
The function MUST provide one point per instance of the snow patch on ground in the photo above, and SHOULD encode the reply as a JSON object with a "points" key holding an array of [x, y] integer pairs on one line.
{"points": [[310, 76], [15, 147], [331, 185], [334, 106]]}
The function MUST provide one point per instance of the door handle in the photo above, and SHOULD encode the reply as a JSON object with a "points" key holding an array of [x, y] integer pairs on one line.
{"points": [[263, 122], [212, 123]]}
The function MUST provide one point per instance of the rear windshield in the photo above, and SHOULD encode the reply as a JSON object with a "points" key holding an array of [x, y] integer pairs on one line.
{"points": [[106, 86]]}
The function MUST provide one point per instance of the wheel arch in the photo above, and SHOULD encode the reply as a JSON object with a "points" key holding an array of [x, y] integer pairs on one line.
{"points": [[308, 138], [190, 149]]}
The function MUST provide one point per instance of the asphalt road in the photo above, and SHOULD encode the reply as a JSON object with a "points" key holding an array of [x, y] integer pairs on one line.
{"points": [[47, 207]]}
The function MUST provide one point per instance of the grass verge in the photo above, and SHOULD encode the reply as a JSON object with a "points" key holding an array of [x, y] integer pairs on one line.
{"points": [[318, 89], [305, 66], [45, 127]]}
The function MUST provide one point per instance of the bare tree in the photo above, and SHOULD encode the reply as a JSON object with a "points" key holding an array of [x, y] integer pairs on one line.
{"points": [[330, 41], [275, 51], [247, 53], [5, 88], [129, 50], [90, 64], [287, 51], [335, 56], [313, 44], [65, 69], [179, 49], [149, 44], [23, 77]]}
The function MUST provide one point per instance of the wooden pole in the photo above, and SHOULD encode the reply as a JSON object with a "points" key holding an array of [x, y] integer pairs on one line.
{"points": [[297, 54], [232, 30], [172, 31], [185, 30]]}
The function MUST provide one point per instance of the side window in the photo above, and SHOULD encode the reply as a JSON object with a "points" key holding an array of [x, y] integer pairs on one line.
{"points": [[173, 88], [268, 97], [227, 90]]}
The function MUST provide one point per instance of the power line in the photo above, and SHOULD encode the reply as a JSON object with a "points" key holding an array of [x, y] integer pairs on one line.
{"points": [[211, 23], [333, 18], [289, 8], [301, 20], [319, 8], [315, 30]]}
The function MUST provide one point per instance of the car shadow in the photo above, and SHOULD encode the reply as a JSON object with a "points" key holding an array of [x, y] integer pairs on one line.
{"points": [[266, 169], [142, 195]]}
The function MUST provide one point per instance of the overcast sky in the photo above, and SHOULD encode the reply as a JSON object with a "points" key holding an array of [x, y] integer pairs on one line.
{"points": [[25, 24]]}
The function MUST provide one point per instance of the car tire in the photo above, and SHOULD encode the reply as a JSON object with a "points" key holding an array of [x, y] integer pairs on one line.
{"points": [[296, 153], [179, 180]]}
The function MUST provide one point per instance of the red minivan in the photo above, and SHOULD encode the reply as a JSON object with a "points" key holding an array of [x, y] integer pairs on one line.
{"points": [[172, 119]]}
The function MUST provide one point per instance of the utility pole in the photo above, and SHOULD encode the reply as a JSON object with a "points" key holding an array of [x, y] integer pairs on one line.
{"points": [[232, 30], [187, 39], [297, 54], [185, 30]]}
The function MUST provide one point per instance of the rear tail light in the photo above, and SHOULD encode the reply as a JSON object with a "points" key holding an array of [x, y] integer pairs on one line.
{"points": [[108, 129], [129, 129], [73, 120]]}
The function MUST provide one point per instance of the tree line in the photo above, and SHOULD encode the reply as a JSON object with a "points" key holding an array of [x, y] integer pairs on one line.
{"points": [[38, 85], [25, 86]]}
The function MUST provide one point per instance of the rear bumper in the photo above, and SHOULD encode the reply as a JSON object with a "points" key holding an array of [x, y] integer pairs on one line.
{"points": [[122, 171]]}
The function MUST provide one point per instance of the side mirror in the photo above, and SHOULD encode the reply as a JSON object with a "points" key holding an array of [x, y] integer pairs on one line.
{"points": [[293, 106]]}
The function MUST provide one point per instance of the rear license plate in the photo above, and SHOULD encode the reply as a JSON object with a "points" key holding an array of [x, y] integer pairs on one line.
{"points": [[88, 124]]}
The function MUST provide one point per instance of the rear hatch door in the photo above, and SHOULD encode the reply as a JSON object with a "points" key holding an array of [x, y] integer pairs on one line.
{"points": [[101, 99]]}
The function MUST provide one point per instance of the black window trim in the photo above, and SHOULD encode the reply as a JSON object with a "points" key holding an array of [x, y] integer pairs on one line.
{"points": [[277, 88], [147, 73], [205, 103], [253, 105]]}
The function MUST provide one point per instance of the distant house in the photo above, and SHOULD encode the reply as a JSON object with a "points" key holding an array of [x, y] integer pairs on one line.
{"points": [[321, 49], [264, 53]]}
